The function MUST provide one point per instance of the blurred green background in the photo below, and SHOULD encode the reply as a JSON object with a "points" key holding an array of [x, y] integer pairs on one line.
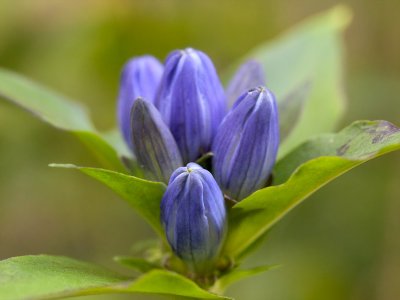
{"points": [[342, 243]]}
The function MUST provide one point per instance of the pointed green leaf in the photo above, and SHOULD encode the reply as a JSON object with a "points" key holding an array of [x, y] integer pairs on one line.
{"points": [[362, 140], [170, 283], [102, 150], [59, 112], [114, 137], [53, 277], [314, 163], [45, 104], [140, 265], [311, 51], [143, 195], [236, 275]]}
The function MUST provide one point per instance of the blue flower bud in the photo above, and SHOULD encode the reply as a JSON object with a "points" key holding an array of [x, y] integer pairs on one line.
{"points": [[249, 75], [246, 144], [191, 100], [140, 78], [193, 215], [155, 147]]}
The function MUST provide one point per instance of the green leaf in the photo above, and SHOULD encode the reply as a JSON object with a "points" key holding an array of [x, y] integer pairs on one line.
{"points": [[59, 112], [47, 105], [310, 52], [143, 195], [362, 140], [114, 137], [53, 277], [315, 163], [170, 283], [140, 265], [236, 275], [102, 150]]}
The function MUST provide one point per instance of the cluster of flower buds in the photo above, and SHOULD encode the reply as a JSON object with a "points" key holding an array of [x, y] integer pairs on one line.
{"points": [[171, 116]]}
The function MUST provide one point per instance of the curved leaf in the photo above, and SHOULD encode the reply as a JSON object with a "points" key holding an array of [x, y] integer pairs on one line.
{"points": [[138, 264], [143, 195], [236, 275], [170, 283], [54, 277], [361, 140], [101, 149], [51, 277], [316, 163], [59, 112]]}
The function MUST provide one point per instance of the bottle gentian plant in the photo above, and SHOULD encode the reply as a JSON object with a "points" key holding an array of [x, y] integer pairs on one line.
{"points": [[210, 170], [191, 100]]}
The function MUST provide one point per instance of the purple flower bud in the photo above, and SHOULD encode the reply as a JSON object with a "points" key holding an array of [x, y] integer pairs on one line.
{"points": [[155, 147], [193, 215], [246, 144], [140, 78], [249, 75], [191, 100]]}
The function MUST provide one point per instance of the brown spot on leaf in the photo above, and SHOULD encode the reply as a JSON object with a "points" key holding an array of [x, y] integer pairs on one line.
{"points": [[343, 149], [383, 130]]}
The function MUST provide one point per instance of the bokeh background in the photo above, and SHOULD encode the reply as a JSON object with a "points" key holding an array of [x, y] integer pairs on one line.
{"points": [[342, 243]]}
